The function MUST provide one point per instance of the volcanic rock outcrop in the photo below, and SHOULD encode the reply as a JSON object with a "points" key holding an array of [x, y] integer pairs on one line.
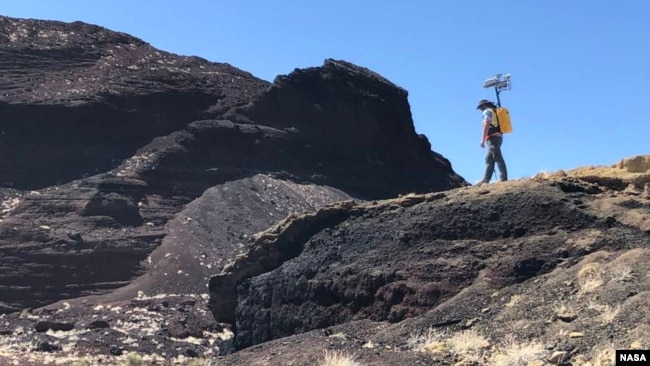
{"points": [[129, 172], [76, 99], [163, 209], [547, 270], [337, 267]]}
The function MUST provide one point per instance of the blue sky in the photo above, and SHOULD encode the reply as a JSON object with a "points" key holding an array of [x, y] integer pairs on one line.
{"points": [[580, 70]]}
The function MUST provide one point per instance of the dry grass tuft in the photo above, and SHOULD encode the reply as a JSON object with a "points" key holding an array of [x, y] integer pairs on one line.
{"points": [[590, 277], [469, 345], [514, 300], [624, 274], [565, 312], [133, 359], [429, 342], [591, 269], [336, 358], [513, 353], [467, 341], [607, 313], [638, 345]]}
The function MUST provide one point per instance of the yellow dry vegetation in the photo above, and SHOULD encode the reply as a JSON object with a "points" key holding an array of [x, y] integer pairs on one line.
{"points": [[336, 358]]}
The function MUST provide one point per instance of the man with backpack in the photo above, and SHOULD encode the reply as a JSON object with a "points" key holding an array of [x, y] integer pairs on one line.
{"points": [[494, 138]]}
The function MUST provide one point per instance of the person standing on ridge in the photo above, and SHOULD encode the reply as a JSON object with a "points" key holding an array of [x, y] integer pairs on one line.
{"points": [[494, 138]]}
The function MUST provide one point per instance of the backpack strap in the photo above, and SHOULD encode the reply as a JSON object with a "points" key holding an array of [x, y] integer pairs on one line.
{"points": [[495, 116]]}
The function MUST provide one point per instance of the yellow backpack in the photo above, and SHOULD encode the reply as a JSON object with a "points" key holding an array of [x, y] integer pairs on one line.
{"points": [[503, 119]]}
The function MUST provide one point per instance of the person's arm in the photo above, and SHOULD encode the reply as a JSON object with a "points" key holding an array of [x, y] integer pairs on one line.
{"points": [[486, 128], [487, 119]]}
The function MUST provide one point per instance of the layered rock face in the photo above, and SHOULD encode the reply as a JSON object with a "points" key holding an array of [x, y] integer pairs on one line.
{"points": [[351, 127], [548, 269], [334, 266], [178, 208], [76, 99], [129, 167]]}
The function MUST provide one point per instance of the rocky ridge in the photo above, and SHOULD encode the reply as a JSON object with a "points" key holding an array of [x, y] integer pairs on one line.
{"points": [[131, 175], [198, 215], [147, 157], [396, 281], [561, 282]]}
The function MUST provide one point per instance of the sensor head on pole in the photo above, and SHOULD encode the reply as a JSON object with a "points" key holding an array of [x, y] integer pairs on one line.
{"points": [[499, 82]]}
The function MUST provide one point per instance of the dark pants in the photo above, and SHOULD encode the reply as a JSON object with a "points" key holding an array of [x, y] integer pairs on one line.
{"points": [[494, 156]]}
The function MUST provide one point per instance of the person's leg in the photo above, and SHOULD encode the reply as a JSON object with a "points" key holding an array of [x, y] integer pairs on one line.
{"points": [[495, 144], [489, 163]]}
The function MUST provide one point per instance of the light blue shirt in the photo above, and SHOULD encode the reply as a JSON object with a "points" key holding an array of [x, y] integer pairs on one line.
{"points": [[487, 116]]}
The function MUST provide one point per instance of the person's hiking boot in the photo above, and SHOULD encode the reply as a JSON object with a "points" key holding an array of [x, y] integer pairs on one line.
{"points": [[480, 183]]}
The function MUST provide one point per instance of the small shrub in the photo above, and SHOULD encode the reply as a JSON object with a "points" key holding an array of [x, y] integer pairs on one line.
{"points": [[564, 312], [133, 359], [337, 358], [469, 345], [514, 300], [624, 274], [609, 313], [429, 342], [512, 353], [590, 277], [591, 269]]}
